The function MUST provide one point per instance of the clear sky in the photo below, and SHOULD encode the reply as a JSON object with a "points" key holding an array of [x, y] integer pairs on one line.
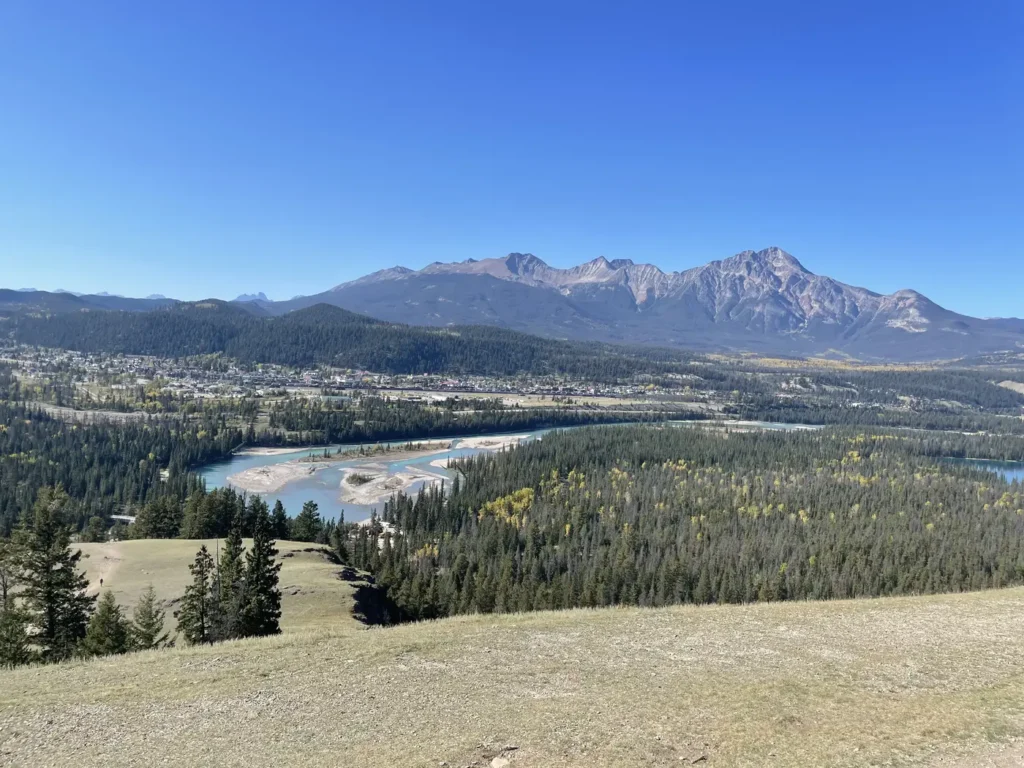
{"points": [[213, 148]]}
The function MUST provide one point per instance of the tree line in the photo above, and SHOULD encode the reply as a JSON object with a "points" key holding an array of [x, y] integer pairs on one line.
{"points": [[371, 419], [327, 335]]}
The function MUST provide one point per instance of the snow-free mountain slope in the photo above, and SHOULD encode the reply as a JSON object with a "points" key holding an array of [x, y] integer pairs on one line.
{"points": [[763, 301]]}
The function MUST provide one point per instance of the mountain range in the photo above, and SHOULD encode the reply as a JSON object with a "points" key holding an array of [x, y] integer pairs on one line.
{"points": [[756, 301]]}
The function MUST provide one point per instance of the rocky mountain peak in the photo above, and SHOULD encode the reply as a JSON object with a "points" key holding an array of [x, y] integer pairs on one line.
{"points": [[261, 296], [909, 294], [523, 263], [771, 259]]}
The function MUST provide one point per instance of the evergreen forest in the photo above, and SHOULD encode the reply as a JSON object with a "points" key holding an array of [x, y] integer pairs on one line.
{"points": [[658, 516]]}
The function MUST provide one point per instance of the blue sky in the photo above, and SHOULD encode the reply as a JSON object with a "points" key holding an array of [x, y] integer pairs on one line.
{"points": [[198, 148]]}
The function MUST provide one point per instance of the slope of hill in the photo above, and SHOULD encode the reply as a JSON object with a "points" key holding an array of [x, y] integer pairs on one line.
{"points": [[934, 681], [755, 301], [313, 592], [328, 335]]}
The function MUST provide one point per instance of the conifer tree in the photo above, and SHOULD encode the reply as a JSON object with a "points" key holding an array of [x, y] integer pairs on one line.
{"points": [[108, 632], [11, 557], [261, 611], [339, 539], [14, 639], [54, 591], [197, 522], [280, 521], [148, 622], [256, 507], [307, 526], [229, 583], [197, 613], [96, 530], [161, 519]]}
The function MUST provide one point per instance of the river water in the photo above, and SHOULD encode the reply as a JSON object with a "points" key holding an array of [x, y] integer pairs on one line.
{"points": [[1011, 470], [323, 486]]}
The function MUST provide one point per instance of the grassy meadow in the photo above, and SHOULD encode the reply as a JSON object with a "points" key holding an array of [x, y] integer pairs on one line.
{"points": [[920, 681], [312, 593]]}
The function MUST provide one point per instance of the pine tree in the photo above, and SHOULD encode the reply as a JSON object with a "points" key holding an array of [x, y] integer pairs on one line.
{"points": [[261, 611], [96, 530], [280, 521], [54, 592], [14, 638], [162, 519], [148, 622], [11, 572], [256, 507], [339, 539], [197, 520], [197, 615], [229, 583], [307, 526], [108, 632]]}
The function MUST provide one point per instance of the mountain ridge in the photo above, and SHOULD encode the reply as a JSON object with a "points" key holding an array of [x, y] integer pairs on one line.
{"points": [[763, 302], [757, 301]]}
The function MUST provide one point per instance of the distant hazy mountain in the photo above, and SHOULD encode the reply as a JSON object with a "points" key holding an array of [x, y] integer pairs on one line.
{"points": [[252, 297], [57, 302], [761, 301]]}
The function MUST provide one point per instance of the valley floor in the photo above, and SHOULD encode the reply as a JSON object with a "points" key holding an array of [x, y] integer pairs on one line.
{"points": [[931, 681]]}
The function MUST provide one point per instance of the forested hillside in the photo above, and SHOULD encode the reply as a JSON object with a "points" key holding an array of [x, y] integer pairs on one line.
{"points": [[328, 335], [656, 516], [105, 468]]}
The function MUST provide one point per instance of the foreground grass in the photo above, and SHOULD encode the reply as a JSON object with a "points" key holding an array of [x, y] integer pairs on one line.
{"points": [[909, 681], [312, 594]]}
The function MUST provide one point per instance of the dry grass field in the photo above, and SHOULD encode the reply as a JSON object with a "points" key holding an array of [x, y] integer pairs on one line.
{"points": [[930, 681], [312, 594]]}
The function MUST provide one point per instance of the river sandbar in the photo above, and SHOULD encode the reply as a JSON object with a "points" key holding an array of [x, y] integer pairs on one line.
{"points": [[491, 442], [272, 477], [377, 485]]}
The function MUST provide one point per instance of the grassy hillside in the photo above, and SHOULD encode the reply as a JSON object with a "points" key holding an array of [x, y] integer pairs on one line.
{"points": [[312, 592], [908, 681]]}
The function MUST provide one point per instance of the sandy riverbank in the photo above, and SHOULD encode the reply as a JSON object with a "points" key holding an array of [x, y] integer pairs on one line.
{"points": [[395, 453], [278, 451], [491, 442]]}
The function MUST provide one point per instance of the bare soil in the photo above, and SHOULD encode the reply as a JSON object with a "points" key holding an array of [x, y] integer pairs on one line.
{"points": [[925, 681]]}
